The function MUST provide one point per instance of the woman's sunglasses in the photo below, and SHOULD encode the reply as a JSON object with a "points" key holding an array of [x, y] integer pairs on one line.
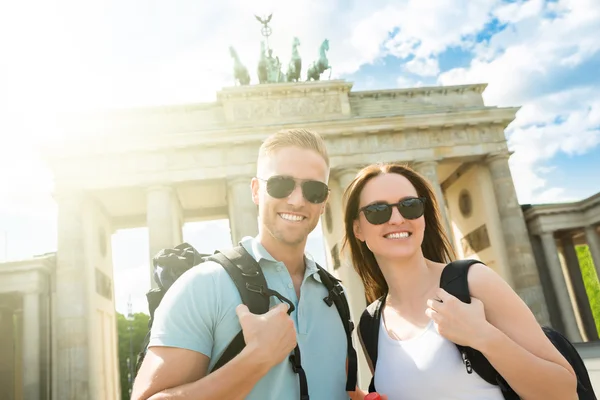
{"points": [[280, 187], [411, 208]]}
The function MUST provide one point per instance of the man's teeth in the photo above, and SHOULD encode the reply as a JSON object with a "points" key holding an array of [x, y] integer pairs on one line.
{"points": [[398, 235], [291, 217]]}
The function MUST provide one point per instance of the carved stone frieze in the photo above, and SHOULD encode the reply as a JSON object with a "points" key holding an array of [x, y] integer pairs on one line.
{"points": [[412, 139], [284, 108]]}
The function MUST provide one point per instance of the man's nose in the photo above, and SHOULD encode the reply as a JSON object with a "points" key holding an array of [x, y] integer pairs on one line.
{"points": [[296, 197]]}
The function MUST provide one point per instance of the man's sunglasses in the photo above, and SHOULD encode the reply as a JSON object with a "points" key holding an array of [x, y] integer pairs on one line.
{"points": [[411, 208], [280, 187]]}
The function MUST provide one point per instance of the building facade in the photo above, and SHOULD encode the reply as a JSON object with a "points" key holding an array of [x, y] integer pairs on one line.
{"points": [[162, 167]]}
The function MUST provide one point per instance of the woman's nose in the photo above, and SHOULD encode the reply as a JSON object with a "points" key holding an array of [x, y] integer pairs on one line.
{"points": [[396, 217]]}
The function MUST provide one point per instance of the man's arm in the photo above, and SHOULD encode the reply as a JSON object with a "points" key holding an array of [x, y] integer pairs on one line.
{"points": [[172, 373], [188, 379]]}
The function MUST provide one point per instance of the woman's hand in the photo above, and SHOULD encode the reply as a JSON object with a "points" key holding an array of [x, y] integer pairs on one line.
{"points": [[461, 323]]}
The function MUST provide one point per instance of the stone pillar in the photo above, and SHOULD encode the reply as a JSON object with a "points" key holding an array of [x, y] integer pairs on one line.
{"points": [[164, 221], [7, 354], [588, 325], [350, 278], [18, 318], [429, 170], [522, 266], [72, 365], [243, 213], [333, 230], [31, 346], [593, 241], [560, 287]]}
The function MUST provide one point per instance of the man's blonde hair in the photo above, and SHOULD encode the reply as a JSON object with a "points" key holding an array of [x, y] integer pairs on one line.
{"points": [[303, 138]]}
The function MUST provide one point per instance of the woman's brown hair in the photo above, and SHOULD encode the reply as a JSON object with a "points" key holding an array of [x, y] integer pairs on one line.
{"points": [[436, 246]]}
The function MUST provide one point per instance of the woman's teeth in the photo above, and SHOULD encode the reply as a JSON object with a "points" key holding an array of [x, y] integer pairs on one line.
{"points": [[397, 235]]}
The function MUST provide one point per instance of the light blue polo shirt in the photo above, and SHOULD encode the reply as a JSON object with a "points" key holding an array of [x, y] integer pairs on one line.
{"points": [[198, 313]]}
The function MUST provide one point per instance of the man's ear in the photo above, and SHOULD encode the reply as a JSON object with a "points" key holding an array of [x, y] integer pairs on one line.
{"points": [[254, 186]]}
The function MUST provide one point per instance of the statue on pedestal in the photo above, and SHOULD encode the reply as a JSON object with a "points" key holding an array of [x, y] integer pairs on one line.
{"points": [[263, 65], [321, 65], [295, 65], [269, 68], [240, 72]]}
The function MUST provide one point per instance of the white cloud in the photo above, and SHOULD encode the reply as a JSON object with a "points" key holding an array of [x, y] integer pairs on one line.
{"points": [[429, 28], [519, 10], [423, 66], [539, 63]]}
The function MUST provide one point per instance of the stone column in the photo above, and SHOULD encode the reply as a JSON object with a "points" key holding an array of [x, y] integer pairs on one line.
{"points": [[349, 277], [164, 221], [593, 241], [588, 325], [71, 368], [31, 346], [334, 234], [7, 354], [243, 213], [522, 266], [429, 170], [560, 287]]}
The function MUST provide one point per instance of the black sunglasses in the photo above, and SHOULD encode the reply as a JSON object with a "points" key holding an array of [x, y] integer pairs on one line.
{"points": [[411, 208], [280, 187]]}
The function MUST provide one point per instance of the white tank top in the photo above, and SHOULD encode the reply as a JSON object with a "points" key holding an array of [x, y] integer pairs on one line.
{"points": [[426, 367]]}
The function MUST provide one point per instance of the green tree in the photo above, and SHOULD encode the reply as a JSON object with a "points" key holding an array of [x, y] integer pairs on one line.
{"points": [[590, 281], [131, 337]]}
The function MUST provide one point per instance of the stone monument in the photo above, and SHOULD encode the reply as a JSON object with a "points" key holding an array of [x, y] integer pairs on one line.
{"points": [[161, 167]]}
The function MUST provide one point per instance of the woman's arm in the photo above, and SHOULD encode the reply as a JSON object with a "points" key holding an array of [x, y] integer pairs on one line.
{"points": [[516, 345], [511, 338]]}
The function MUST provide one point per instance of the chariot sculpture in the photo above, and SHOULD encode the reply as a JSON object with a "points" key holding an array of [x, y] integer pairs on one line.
{"points": [[269, 68]]}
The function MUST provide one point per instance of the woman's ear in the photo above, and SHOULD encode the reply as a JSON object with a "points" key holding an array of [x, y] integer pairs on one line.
{"points": [[357, 231]]}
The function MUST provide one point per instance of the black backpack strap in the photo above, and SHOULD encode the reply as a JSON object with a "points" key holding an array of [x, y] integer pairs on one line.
{"points": [[337, 296], [585, 390], [368, 333], [255, 294], [250, 282], [454, 280]]}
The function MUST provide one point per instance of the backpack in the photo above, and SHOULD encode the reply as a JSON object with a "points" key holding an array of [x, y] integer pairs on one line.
{"points": [[454, 281], [170, 264]]}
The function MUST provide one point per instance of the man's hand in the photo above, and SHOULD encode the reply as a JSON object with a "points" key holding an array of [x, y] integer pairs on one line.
{"points": [[270, 336]]}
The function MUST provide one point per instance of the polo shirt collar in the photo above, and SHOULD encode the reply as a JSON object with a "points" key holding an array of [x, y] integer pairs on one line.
{"points": [[258, 251]]}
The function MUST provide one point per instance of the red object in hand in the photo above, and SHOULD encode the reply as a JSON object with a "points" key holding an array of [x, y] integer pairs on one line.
{"points": [[373, 396]]}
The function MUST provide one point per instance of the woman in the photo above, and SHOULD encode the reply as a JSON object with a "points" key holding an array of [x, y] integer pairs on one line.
{"points": [[397, 245]]}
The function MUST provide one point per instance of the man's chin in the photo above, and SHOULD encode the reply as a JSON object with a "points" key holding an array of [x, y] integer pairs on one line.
{"points": [[292, 240]]}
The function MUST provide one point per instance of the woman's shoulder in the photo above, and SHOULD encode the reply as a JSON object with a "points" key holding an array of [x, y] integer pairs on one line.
{"points": [[436, 268]]}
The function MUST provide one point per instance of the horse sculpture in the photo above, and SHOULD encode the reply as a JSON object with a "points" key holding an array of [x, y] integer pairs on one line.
{"points": [[321, 65], [240, 73], [295, 65], [262, 69]]}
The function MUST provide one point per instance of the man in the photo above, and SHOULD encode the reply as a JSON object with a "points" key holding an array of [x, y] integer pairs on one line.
{"points": [[202, 312]]}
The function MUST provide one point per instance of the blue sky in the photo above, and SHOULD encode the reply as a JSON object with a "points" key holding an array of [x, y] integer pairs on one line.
{"points": [[543, 56]]}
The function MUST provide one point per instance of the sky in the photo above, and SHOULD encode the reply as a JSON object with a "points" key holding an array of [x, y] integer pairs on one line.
{"points": [[542, 56]]}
